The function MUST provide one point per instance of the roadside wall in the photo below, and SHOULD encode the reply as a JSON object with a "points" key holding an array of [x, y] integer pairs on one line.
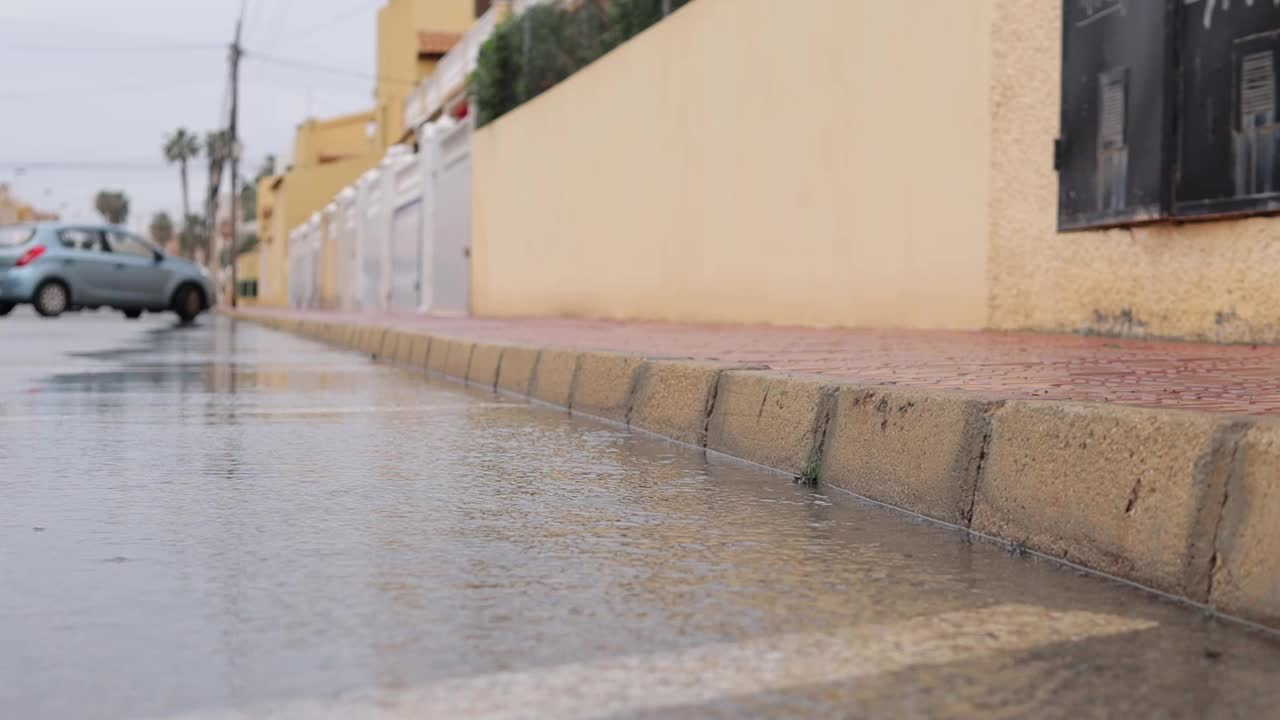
{"points": [[1217, 280], [809, 162]]}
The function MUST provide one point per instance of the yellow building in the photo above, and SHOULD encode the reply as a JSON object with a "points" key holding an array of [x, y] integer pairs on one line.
{"points": [[327, 156], [247, 266], [331, 153], [412, 37], [14, 210]]}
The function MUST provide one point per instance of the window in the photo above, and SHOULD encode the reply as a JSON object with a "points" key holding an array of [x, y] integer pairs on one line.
{"points": [[129, 245], [15, 236], [1168, 111], [80, 239]]}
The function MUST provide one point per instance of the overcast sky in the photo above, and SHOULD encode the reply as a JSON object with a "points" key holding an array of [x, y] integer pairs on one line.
{"points": [[94, 86]]}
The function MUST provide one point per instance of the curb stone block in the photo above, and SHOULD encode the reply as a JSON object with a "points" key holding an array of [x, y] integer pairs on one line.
{"points": [[768, 418], [373, 341], [404, 348], [419, 348], [346, 336], [1246, 579], [912, 449], [516, 373], [459, 357], [485, 362], [605, 384], [673, 398], [553, 380], [1127, 491], [438, 354], [387, 348]]}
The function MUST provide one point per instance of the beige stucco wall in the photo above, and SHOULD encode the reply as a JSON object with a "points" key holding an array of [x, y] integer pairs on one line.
{"points": [[817, 162], [1215, 280]]}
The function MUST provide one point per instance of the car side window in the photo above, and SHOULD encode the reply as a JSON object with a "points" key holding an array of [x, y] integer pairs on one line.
{"points": [[123, 244], [80, 239]]}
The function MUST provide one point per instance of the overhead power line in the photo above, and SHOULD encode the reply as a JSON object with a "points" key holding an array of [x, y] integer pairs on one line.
{"points": [[139, 48], [78, 165], [78, 94], [363, 7], [313, 67]]}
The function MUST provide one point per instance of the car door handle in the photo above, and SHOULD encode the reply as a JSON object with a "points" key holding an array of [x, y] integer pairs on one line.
{"points": [[119, 266]]}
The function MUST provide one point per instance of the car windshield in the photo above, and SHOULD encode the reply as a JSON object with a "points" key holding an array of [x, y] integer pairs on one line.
{"points": [[15, 236]]}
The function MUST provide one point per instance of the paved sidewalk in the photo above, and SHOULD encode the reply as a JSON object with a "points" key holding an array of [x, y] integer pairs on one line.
{"points": [[1230, 379]]}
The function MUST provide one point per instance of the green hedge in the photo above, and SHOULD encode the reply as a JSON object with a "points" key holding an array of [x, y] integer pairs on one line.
{"points": [[530, 53]]}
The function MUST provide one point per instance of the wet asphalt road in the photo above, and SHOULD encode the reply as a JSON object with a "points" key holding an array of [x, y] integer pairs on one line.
{"points": [[222, 521]]}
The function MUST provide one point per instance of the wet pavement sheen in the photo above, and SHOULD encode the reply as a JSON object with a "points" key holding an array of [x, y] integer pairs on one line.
{"points": [[224, 521]]}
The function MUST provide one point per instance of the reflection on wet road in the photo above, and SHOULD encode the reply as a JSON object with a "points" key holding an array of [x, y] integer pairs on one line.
{"points": [[223, 521]]}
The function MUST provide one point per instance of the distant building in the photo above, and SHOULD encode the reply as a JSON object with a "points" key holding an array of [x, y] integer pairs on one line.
{"points": [[14, 210]]}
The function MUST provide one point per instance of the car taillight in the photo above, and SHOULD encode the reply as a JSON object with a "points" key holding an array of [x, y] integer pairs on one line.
{"points": [[30, 256]]}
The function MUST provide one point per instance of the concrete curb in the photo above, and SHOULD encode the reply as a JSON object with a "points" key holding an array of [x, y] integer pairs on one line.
{"points": [[1186, 503]]}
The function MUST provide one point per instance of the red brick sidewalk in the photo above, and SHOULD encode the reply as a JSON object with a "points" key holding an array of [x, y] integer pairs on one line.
{"points": [[1210, 378]]}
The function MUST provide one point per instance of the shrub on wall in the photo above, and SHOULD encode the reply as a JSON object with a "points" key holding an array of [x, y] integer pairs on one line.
{"points": [[498, 69], [528, 54]]}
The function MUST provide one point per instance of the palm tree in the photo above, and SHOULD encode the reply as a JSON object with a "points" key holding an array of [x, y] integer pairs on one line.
{"points": [[161, 229], [217, 150], [113, 205], [180, 147]]}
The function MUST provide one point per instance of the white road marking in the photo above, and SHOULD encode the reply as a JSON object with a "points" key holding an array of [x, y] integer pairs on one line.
{"points": [[708, 673]]}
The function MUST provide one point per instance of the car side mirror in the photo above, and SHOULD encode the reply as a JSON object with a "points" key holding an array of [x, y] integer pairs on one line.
{"points": [[159, 257]]}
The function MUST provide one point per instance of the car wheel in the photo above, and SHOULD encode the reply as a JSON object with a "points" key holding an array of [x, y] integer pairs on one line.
{"points": [[133, 314], [188, 302], [6, 308], [52, 299]]}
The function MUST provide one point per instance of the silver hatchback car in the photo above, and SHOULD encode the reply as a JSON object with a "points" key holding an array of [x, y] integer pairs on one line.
{"points": [[58, 267]]}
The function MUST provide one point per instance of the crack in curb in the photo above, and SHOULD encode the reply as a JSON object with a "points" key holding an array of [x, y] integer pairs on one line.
{"points": [[1229, 443], [466, 374], [497, 371], [638, 376], [573, 382], [426, 356], [533, 374], [821, 422], [984, 449], [710, 407]]}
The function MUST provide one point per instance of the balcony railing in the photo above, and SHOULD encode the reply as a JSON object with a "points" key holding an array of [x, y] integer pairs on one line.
{"points": [[450, 76]]}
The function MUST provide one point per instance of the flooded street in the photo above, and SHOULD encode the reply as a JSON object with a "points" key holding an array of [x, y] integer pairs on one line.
{"points": [[224, 521]]}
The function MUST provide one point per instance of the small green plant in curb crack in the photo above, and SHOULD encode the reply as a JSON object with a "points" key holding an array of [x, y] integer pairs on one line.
{"points": [[809, 473]]}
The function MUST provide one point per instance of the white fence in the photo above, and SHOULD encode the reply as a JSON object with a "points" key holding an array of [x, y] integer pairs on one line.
{"points": [[399, 239], [304, 263], [447, 237], [344, 229]]}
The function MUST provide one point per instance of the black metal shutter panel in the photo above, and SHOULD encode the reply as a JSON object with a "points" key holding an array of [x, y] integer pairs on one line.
{"points": [[1228, 137], [1116, 58]]}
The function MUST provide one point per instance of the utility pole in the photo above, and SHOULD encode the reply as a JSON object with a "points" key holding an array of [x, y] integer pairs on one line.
{"points": [[236, 52]]}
